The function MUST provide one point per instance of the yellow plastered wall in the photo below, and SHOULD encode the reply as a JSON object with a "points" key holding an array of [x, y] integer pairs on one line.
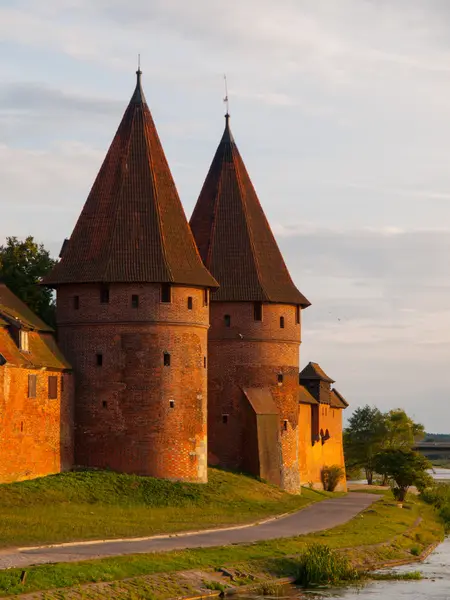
{"points": [[313, 458]]}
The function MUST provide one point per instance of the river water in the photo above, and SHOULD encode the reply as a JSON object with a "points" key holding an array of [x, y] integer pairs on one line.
{"points": [[435, 584]]}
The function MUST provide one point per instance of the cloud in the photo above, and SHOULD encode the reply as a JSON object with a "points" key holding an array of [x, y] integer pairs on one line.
{"points": [[340, 110], [28, 97]]}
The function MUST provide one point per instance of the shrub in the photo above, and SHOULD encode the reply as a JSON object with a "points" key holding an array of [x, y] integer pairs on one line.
{"points": [[319, 564], [331, 476], [438, 495], [415, 551]]}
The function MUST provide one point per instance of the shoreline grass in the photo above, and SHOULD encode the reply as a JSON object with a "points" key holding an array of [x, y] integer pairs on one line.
{"points": [[379, 534], [89, 505]]}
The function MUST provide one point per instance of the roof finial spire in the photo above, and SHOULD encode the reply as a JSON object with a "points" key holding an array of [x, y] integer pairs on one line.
{"points": [[139, 72], [227, 114], [138, 95]]}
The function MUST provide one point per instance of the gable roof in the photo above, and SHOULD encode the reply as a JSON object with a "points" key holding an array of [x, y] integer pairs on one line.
{"points": [[43, 351], [314, 371], [132, 227], [12, 309], [304, 397], [234, 237], [337, 400]]}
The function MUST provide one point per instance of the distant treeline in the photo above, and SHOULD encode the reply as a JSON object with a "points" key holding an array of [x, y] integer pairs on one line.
{"points": [[437, 437]]}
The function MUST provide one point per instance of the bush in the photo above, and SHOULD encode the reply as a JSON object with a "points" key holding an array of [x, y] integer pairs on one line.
{"points": [[438, 496], [331, 476], [319, 564]]}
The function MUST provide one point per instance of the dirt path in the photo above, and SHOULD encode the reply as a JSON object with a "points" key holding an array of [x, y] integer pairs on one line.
{"points": [[316, 517]]}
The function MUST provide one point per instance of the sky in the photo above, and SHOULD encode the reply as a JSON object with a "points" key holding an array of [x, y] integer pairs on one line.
{"points": [[341, 111]]}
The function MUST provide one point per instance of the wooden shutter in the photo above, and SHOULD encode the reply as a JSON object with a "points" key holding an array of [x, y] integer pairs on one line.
{"points": [[53, 387], [32, 386]]}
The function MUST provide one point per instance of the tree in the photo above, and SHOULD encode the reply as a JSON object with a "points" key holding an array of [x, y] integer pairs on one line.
{"points": [[401, 431], [23, 264], [405, 468], [363, 439]]}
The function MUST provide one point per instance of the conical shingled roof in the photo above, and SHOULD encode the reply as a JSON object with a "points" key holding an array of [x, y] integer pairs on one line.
{"points": [[133, 227], [234, 237]]}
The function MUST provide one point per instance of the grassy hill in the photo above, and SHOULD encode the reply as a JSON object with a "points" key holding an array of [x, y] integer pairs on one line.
{"points": [[101, 504]]}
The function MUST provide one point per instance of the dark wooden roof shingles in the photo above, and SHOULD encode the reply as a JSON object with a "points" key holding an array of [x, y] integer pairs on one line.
{"points": [[234, 237], [132, 227]]}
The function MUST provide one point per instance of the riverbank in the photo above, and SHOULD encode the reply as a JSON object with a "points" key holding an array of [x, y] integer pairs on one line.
{"points": [[90, 505], [381, 534]]}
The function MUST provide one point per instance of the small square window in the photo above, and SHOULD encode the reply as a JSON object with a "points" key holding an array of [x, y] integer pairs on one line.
{"points": [[285, 425], [166, 292], [280, 377], [172, 403], [224, 419], [99, 359], [227, 320], [32, 381], [166, 359], [257, 311], [282, 322], [105, 404], [53, 387], [135, 301], [205, 297], [104, 294], [190, 303], [76, 302]]}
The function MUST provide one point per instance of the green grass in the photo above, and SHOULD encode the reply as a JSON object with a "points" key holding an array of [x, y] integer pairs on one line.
{"points": [[383, 522], [100, 505], [393, 576]]}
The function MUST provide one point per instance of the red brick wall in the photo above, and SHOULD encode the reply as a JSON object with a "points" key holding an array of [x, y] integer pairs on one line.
{"points": [[252, 353], [36, 434], [124, 419]]}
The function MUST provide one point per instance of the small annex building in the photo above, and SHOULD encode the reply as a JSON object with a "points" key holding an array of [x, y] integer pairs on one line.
{"points": [[320, 434], [36, 395]]}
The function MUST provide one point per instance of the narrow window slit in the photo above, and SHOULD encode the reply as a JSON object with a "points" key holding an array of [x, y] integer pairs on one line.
{"points": [[166, 292]]}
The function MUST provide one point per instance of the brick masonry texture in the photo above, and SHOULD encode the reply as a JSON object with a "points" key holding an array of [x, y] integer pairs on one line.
{"points": [[133, 413], [250, 354], [35, 433]]}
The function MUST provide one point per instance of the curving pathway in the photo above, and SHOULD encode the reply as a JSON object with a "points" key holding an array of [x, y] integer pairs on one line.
{"points": [[315, 517]]}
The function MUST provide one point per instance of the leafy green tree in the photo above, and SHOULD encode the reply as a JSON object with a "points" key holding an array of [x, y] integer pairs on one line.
{"points": [[363, 439], [23, 264], [405, 468], [401, 430]]}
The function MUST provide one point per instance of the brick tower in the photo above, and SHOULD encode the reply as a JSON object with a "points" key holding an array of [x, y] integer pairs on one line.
{"points": [[133, 314], [254, 337]]}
